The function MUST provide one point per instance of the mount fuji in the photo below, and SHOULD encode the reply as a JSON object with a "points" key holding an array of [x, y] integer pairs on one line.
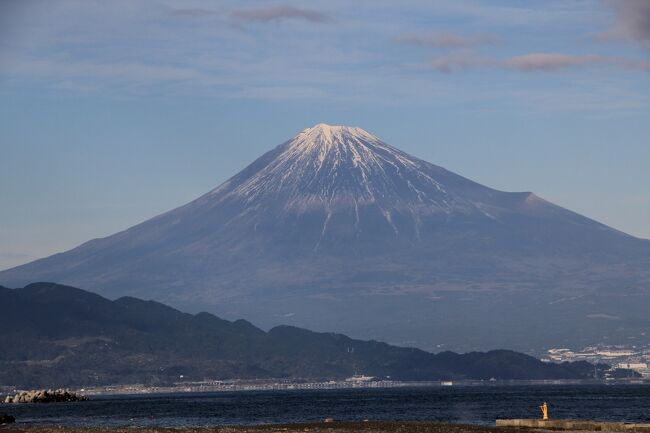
{"points": [[336, 230]]}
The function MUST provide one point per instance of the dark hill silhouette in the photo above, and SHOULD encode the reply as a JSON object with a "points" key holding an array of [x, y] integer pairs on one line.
{"points": [[56, 335]]}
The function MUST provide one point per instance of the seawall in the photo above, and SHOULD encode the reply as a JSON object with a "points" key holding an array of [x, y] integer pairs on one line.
{"points": [[571, 424]]}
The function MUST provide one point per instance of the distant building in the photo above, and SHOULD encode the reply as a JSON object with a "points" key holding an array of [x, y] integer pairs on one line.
{"points": [[637, 366]]}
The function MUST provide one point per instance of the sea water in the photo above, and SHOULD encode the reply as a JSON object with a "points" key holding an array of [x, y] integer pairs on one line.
{"points": [[456, 404]]}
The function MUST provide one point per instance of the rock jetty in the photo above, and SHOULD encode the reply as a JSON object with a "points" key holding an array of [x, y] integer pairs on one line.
{"points": [[44, 396]]}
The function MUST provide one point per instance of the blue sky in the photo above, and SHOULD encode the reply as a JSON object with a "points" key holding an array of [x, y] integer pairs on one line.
{"points": [[113, 112]]}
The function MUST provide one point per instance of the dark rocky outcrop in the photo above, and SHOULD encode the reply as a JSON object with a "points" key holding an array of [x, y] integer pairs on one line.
{"points": [[6, 419]]}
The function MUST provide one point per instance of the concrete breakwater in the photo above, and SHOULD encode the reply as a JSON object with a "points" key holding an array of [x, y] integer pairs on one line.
{"points": [[44, 396], [571, 424]]}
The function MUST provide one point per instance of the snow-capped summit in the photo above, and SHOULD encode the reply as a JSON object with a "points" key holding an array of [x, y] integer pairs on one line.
{"points": [[337, 230], [324, 134], [327, 167]]}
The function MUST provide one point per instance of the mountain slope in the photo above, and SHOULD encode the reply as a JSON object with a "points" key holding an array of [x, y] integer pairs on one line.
{"points": [[336, 229], [75, 338]]}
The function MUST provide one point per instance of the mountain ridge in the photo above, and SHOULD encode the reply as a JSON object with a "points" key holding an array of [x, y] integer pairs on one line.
{"points": [[71, 337]]}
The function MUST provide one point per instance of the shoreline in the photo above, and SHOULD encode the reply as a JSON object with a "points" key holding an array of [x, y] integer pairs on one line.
{"points": [[320, 427], [270, 385]]}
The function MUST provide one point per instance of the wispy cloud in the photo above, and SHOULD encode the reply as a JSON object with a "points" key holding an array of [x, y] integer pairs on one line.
{"points": [[445, 39], [549, 62], [457, 62], [212, 50], [85, 75], [535, 62], [632, 21], [193, 12], [281, 12], [517, 14]]}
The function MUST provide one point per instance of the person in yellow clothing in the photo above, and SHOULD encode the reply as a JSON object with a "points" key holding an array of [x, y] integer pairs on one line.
{"points": [[544, 409]]}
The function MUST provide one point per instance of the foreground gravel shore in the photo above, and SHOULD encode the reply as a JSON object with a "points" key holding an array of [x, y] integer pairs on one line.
{"points": [[336, 427]]}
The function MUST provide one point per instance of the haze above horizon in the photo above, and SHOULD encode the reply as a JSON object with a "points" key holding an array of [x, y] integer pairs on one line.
{"points": [[115, 112]]}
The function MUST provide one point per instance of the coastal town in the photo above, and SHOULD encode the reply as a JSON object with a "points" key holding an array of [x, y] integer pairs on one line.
{"points": [[635, 358]]}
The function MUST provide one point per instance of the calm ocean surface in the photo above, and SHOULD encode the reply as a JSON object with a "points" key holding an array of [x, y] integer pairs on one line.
{"points": [[475, 405]]}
